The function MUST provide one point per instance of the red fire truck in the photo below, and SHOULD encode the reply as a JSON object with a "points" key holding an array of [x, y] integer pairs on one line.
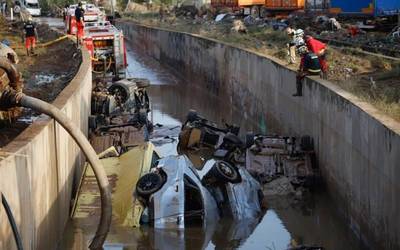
{"points": [[106, 46]]}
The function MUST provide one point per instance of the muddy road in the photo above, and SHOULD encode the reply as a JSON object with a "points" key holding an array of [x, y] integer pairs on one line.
{"points": [[286, 222], [44, 75]]}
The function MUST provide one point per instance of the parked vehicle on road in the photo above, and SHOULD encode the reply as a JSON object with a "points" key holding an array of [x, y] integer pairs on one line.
{"points": [[33, 7]]}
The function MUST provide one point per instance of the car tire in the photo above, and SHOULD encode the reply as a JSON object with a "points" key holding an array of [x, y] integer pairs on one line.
{"points": [[148, 184], [225, 172], [122, 88]]}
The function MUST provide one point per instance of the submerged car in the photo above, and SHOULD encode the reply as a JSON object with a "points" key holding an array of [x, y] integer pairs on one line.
{"points": [[176, 194]]}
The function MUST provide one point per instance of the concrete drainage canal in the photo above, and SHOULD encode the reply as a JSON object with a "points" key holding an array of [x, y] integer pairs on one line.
{"points": [[290, 214]]}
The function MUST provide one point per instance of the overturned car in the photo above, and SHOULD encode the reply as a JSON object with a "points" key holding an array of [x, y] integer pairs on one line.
{"points": [[176, 194], [265, 157]]}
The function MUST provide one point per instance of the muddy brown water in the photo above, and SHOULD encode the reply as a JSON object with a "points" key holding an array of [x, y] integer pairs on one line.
{"points": [[286, 222]]}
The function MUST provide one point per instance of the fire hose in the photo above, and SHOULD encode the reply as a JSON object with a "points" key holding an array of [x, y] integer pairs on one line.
{"points": [[10, 216], [11, 98], [46, 44]]}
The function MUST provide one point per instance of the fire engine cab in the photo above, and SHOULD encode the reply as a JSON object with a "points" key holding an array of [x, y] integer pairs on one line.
{"points": [[106, 46]]}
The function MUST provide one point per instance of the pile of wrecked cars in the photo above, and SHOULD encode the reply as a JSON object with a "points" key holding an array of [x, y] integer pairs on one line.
{"points": [[266, 157], [172, 192]]}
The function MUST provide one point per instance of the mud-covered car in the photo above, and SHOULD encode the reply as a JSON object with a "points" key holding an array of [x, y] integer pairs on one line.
{"points": [[176, 194], [120, 103], [198, 131]]}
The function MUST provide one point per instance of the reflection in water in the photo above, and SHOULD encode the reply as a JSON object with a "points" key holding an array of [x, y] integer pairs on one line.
{"points": [[314, 222]]}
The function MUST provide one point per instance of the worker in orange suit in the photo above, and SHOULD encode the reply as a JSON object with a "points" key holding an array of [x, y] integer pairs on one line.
{"points": [[318, 48], [30, 36], [79, 17]]}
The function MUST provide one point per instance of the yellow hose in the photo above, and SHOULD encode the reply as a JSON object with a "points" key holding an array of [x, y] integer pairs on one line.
{"points": [[43, 44]]}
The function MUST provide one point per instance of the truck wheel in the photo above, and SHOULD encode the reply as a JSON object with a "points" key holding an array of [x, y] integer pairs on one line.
{"points": [[225, 172], [149, 184]]}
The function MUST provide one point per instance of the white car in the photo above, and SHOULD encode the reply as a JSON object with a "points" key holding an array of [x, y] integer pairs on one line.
{"points": [[175, 193]]}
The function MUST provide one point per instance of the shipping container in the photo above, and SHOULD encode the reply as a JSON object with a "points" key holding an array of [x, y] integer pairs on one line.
{"points": [[236, 3], [317, 5], [284, 4], [367, 7], [224, 3], [352, 7], [251, 2], [387, 7]]}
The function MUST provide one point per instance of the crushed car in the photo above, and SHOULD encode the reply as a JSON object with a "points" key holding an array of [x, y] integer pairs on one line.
{"points": [[119, 113], [176, 194], [169, 192], [266, 157]]}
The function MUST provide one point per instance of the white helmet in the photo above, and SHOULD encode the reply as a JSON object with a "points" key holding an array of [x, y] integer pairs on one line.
{"points": [[302, 50]]}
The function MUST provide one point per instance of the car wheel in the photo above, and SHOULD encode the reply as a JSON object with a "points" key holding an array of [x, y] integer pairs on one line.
{"points": [[119, 91], [224, 171], [149, 184]]}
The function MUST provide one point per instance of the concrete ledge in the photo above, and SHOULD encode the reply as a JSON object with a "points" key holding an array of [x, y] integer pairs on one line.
{"points": [[37, 169], [358, 149]]}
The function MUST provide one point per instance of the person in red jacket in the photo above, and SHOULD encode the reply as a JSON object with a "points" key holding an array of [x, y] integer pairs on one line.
{"points": [[318, 48]]}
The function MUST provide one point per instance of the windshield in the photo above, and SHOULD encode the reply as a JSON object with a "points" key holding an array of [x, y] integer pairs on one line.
{"points": [[32, 5]]}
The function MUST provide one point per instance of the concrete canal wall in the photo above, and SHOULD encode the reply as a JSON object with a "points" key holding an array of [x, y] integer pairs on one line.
{"points": [[37, 170], [358, 149]]}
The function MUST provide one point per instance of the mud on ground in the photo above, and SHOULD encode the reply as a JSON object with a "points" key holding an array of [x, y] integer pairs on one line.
{"points": [[45, 75]]}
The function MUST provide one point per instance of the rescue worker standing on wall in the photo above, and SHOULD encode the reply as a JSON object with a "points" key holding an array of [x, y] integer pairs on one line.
{"points": [[309, 65], [79, 16], [65, 12], [296, 37], [319, 49], [31, 36]]}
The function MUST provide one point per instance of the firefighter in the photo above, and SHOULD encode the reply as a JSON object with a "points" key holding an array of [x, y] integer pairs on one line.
{"points": [[65, 12], [296, 37], [309, 65], [79, 17], [318, 48], [31, 36]]}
